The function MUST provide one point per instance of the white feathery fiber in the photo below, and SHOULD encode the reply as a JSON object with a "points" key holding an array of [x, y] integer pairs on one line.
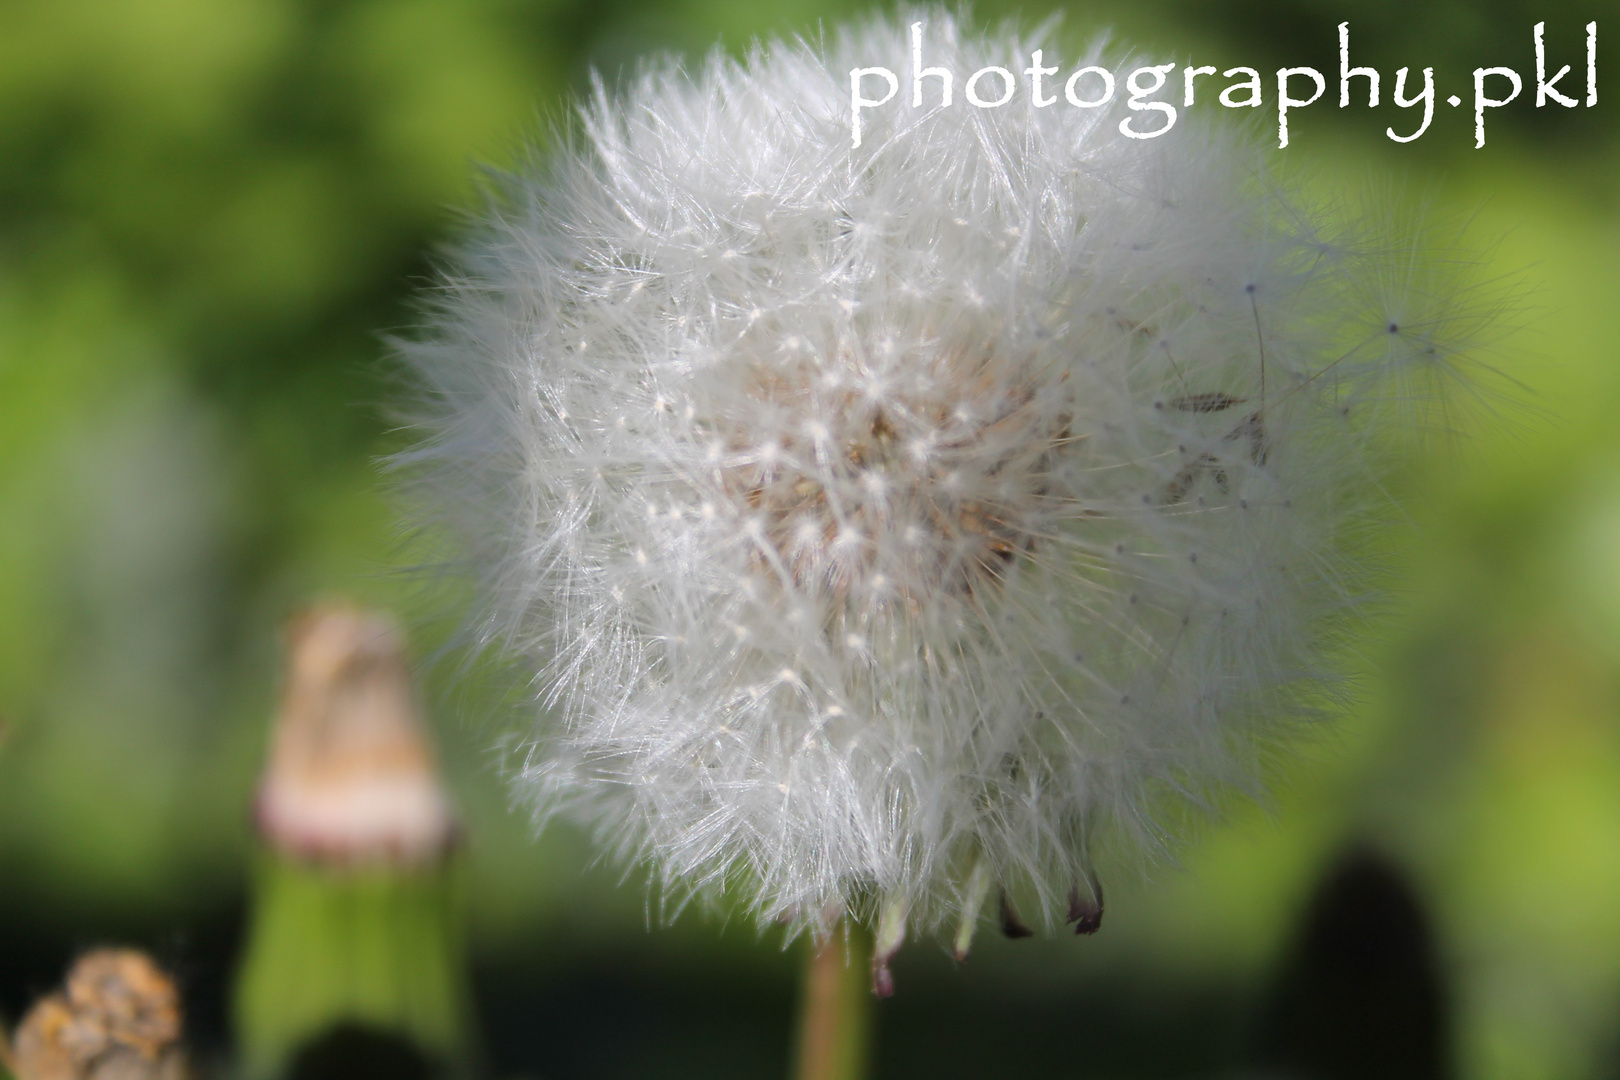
{"points": [[885, 525]]}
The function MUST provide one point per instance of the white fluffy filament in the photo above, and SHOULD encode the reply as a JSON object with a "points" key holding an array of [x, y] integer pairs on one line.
{"points": [[884, 523]]}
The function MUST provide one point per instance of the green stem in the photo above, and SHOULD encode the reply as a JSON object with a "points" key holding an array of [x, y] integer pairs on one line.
{"points": [[378, 946], [835, 1009]]}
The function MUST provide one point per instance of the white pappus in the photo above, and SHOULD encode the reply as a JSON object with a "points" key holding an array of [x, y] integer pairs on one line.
{"points": [[886, 526]]}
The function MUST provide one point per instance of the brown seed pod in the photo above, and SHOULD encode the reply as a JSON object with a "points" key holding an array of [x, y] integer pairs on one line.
{"points": [[117, 1017]]}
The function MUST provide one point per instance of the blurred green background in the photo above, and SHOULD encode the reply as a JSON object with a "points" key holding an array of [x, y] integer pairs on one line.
{"points": [[211, 211]]}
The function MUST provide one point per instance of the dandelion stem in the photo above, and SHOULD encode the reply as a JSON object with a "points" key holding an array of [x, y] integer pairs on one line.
{"points": [[834, 1009]]}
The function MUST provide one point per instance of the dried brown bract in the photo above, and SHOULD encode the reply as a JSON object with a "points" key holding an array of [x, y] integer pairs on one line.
{"points": [[118, 1017]]}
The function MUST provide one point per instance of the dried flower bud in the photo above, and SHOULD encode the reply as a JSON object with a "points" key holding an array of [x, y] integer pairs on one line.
{"points": [[117, 1018], [351, 777]]}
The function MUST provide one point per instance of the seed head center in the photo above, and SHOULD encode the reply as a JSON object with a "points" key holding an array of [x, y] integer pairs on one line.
{"points": [[936, 483]]}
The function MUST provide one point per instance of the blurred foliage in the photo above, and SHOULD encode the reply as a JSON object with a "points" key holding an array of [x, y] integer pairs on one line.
{"points": [[212, 210]]}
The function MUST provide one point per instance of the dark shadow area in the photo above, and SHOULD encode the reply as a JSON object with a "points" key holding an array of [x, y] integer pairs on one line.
{"points": [[357, 1052], [946, 1032], [605, 1017], [625, 1017], [1361, 995]]}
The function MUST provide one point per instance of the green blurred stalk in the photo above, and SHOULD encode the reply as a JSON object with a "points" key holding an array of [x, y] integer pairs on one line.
{"points": [[374, 946], [835, 1007]]}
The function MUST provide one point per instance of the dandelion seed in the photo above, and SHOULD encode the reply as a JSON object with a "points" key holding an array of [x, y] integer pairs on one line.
{"points": [[934, 470]]}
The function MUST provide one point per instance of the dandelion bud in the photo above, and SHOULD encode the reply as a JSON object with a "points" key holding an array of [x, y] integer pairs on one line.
{"points": [[350, 776], [356, 930], [116, 1018], [883, 523]]}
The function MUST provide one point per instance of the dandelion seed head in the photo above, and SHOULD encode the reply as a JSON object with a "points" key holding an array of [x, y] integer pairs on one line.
{"points": [[870, 448]]}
